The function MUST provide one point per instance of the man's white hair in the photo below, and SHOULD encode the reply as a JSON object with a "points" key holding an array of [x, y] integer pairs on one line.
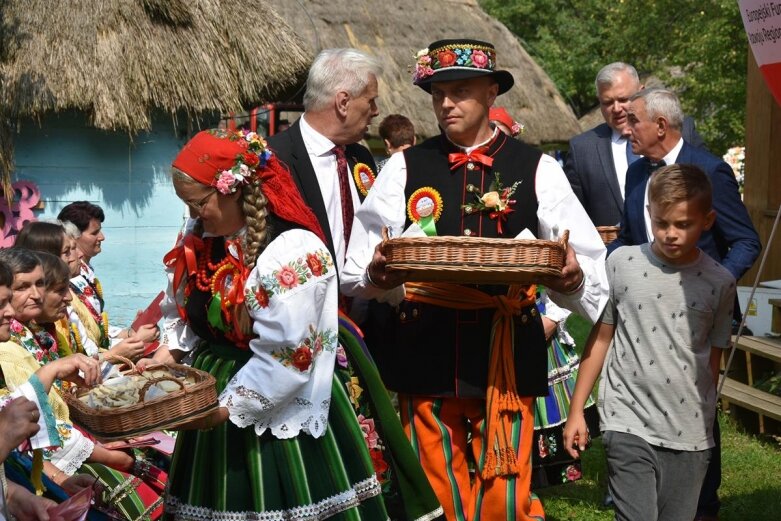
{"points": [[607, 74], [662, 103], [337, 70]]}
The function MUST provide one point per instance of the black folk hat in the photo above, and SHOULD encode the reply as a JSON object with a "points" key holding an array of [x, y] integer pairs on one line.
{"points": [[451, 60]]}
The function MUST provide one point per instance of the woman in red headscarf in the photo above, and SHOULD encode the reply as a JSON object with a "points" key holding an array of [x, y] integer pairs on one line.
{"points": [[253, 300]]}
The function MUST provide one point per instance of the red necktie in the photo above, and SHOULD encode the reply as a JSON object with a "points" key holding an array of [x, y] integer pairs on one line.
{"points": [[344, 192]]}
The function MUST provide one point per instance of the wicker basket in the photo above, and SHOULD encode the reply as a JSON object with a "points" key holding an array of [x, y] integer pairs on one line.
{"points": [[166, 412], [475, 260], [608, 233]]}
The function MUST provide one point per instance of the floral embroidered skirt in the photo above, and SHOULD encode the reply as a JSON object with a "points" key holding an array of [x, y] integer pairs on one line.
{"points": [[405, 487], [231, 473], [551, 464]]}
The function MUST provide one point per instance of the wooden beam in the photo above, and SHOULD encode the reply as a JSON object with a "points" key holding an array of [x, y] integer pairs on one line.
{"points": [[762, 190]]}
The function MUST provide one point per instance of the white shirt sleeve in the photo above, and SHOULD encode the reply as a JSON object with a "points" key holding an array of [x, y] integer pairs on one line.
{"points": [[558, 210], [292, 297], [384, 206]]}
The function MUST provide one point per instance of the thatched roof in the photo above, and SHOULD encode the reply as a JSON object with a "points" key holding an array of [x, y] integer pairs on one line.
{"points": [[395, 30], [119, 59]]}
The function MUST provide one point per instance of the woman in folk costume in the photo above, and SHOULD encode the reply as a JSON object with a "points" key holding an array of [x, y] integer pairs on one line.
{"points": [[27, 414], [551, 463], [253, 300], [82, 326], [34, 343], [88, 304]]}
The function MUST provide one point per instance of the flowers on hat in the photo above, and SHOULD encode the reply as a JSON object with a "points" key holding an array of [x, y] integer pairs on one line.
{"points": [[463, 55], [423, 65], [254, 154], [479, 59]]}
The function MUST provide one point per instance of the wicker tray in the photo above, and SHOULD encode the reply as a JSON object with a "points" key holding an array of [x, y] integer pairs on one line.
{"points": [[608, 233], [475, 260], [166, 412]]}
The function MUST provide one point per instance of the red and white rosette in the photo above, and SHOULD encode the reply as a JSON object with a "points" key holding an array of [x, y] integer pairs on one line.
{"points": [[364, 178], [424, 207]]}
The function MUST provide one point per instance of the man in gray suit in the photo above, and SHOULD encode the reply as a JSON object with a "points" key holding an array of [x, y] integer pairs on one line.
{"points": [[598, 158]]}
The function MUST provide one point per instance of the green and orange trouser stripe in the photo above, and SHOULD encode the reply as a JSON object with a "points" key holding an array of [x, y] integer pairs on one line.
{"points": [[439, 430]]}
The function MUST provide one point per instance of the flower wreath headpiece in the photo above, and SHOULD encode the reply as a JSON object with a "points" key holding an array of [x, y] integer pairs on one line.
{"points": [[224, 159]]}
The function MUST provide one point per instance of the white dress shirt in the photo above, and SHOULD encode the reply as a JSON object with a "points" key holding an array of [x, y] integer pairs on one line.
{"points": [[618, 147], [558, 210], [669, 159], [319, 148]]}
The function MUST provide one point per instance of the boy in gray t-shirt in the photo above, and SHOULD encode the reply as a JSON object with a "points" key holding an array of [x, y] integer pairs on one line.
{"points": [[658, 347]]}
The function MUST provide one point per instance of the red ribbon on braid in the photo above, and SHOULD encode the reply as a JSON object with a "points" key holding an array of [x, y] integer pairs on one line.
{"points": [[284, 199], [184, 259]]}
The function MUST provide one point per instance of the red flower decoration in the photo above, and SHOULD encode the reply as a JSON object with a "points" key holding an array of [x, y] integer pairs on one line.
{"points": [[88, 291], [250, 159], [379, 464], [287, 277], [446, 58], [315, 264], [262, 297], [302, 358]]}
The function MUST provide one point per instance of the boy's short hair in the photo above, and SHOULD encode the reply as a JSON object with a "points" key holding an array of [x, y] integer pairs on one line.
{"points": [[674, 184], [398, 130]]}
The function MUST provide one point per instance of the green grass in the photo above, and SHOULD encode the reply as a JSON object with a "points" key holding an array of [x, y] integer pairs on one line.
{"points": [[750, 487], [751, 473]]}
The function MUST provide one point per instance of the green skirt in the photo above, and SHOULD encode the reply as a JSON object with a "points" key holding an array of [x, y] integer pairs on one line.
{"points": [[231, 473], [407, 492]]}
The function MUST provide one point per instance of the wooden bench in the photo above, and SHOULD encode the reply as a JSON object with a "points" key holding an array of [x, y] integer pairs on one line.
{"points": [[758, 410]]}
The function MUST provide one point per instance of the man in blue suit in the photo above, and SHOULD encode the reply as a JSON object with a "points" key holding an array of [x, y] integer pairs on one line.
{"points": [[597, 160], [654, 119]]}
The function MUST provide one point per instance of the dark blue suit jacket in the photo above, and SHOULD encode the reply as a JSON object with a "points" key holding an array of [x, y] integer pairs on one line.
{"points": [[732, 240], [591, 172]]}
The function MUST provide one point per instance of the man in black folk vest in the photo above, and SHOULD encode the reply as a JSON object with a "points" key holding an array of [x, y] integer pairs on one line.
{"points": [[434, 345]]}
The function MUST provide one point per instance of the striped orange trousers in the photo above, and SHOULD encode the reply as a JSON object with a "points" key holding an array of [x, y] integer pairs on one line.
{"points": [[443, 432]]}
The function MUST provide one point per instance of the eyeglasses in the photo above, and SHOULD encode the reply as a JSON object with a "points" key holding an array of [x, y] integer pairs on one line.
{"points": [[199, 205]]}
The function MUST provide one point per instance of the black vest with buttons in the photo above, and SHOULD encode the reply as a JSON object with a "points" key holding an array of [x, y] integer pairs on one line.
{"points": [[430, 350]]}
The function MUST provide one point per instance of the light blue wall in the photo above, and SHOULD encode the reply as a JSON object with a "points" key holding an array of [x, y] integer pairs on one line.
{"points": [[129, 179]]}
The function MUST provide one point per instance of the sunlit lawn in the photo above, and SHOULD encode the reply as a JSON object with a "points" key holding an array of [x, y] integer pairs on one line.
{"points": [[751, 476]]}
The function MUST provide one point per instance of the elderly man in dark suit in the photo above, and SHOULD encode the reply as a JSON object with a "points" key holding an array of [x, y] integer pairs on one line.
{"points": [[321, 147], [654, 119], [598, 158]]}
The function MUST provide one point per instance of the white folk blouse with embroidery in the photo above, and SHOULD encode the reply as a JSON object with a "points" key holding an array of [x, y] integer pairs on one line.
{"points": [[291, 296]]}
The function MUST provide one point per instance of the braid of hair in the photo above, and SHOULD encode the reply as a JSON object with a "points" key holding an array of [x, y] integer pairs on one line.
{"points": [[255, 212]]}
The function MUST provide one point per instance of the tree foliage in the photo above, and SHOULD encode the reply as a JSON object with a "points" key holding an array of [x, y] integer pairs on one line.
{"points": [[698, 48]]}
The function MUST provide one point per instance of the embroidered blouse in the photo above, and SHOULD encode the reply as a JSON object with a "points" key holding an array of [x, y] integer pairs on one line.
{"points": [[291, 297]]}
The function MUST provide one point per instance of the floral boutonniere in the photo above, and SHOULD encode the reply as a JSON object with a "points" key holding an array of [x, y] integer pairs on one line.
{"points": [[496, 201]]}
